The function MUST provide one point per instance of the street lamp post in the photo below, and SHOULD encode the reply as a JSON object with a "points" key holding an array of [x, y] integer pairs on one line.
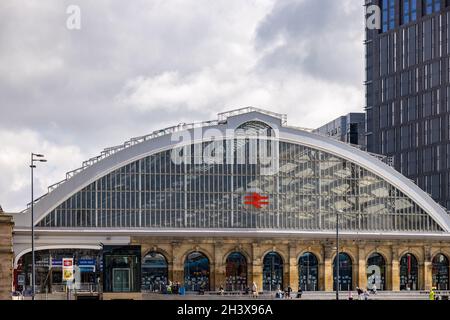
{"points": [[34, 158], [337, 253]]}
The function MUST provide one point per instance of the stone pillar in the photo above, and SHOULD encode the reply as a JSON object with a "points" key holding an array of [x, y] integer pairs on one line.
{"points": [[256, 267], [427, 281], [293, 267], [395, 270], [362, 269], [6, 256], [177, 272], [328, 268], [219, 272]]}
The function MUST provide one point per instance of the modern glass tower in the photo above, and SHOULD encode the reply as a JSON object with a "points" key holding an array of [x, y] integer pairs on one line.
{"points": [[408, 91]]}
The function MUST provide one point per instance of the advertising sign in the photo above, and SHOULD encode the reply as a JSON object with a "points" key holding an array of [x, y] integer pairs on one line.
{"points": [[21, 279], [67, 269]]}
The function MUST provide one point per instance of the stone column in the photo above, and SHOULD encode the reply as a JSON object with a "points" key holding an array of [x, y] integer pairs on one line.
{"points": [[427, 281], [395, 269], [293, 267], [362, 269], [219, 272], [177, 272], [6, 256], [328, 268], [256, 267]]}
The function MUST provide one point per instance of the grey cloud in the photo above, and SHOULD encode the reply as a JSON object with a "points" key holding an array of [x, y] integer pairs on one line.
{"points": [[63, 85], [321, 37]]}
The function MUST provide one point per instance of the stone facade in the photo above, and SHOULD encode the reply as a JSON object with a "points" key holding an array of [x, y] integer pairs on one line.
{"points": [[217, 250], [6, 255]]}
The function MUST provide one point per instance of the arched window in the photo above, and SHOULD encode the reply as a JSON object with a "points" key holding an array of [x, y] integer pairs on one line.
{"points": [[154, 272], [196, 272], [440, 272], [345, 272], [308, 270], [236, 272], [409, 271], [376, 272], [272, 272]]}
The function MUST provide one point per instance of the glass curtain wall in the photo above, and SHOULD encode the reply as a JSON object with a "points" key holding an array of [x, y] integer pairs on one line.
{"points": [[154, 272], [196, 272], [345, 272], [303, 193], [440, 272], [272, 272], [409, 271], [308, 272], [236, 272]]}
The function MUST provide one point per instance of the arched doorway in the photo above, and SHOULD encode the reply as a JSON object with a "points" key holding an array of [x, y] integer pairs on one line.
{"points": [[308, 270], [409, 271], [196, 272], [272, 272], [345, 272], [236, 272], [154, 272], [376, 272], [440, 272]]}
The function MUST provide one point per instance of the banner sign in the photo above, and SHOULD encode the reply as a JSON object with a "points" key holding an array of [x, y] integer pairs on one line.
{"points": [[56, 263], [67, 269], [86, 262]]}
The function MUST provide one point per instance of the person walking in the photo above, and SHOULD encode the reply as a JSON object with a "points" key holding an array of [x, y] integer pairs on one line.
{"points": [[432, 294], [374, 289], [254, 290], [366, 295], [299, 293], [288, 292], [360, 292]]}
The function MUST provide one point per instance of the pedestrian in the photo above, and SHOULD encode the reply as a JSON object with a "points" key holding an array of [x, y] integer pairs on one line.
{"points": [[299, 293], [221, 291], [374, 289], [289, 291], [366, 295], [360, 292], [432, 294], [350, 295], [254, 290]]}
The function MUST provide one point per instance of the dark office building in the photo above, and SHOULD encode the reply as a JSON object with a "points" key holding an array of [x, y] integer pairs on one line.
{"points": [[408, 91], [349, 128]]}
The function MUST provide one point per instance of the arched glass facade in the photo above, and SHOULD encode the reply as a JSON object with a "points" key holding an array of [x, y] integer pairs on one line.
{"points": [[409, 271], [304, 192], [376, 272], [308, 272], [272, 272], [196, 272], [345, 272], [236, 272], [440, 272], [154, 272]]}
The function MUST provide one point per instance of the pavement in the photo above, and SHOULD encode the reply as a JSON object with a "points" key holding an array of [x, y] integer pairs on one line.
{"points": [[318, 295]]}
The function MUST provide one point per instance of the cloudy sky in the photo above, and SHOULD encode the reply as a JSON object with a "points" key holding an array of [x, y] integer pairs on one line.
{"points": [[135, 68]]}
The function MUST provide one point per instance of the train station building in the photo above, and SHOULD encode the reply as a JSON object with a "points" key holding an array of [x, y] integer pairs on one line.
{"points": [[244, 198]]}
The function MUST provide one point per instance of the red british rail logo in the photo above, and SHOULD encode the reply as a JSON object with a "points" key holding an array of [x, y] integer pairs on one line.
{"points": [[256, 200]]}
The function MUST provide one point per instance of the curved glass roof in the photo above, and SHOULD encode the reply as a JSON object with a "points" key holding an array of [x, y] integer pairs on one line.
{"points": [[304, 193], [306, 178]]}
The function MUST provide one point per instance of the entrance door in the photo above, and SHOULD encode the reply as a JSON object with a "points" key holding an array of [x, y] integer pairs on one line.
{"points": [[121, 280]]}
